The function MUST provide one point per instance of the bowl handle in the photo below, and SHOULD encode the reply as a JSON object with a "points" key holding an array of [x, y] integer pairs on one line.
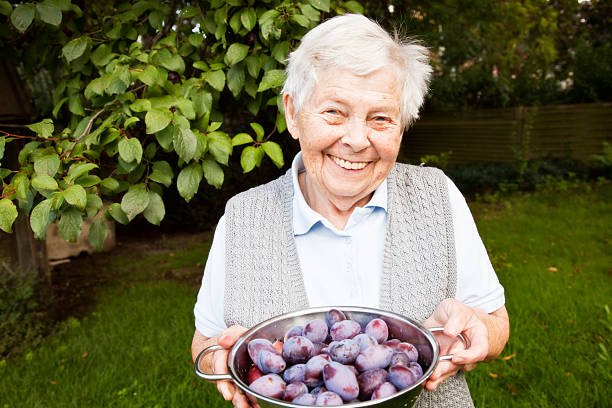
{"points": [[206, 376], [464, 340]]}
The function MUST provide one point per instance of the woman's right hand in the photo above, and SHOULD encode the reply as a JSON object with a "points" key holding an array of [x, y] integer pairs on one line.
{"points": [[216, 363]]}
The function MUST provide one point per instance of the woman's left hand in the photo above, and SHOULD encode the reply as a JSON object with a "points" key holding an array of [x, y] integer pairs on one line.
{"points": [[457, 318]]}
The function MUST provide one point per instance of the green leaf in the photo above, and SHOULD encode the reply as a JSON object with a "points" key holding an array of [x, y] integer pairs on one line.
{"points": [[272, 79], [140, 105], [322, 5], [48, 164], [149, 76], [188, 181], [130, 150], [186, 107], [135, 200], [117, 213], [253, 64], [130, 121], [196, 40], [63, 5], [281, 124], [43, 129], [40, 218], [22, 16], [201, 65], [76, 195], [75, 48], [354, 7], [235, 79], [251, 156], [156, 19], [75, 106], [2, 144], [280, 51], [102, 55], [220, 146], [301, 20], [77, 170], [310, 12], [162, 173], [266, 23], [216, 79], [235, 23], [110, 184], [5, 8], [44, 182], [236, 53], [94, 203], [166, 136], [49, 13], [242, 138], [169, 60], [157, 119], [88, 180], [274, 152], [155, 211], [212, 172], [97, 234], [70, 225], [21, 182], [248, 18], [8, 215], [259, 131], [185, 143]]}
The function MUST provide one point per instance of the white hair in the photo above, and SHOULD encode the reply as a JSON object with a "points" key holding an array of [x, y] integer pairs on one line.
{"points": [[356, 43]]}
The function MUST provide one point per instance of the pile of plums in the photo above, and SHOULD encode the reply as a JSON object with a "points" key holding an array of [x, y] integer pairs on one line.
{"points": [[333, 361]]}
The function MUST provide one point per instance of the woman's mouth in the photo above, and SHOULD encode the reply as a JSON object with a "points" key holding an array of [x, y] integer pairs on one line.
{"points": [[349, 165]]}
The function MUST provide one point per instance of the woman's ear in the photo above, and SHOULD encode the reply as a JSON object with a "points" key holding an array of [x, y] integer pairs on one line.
{"points": [[290, 118]]}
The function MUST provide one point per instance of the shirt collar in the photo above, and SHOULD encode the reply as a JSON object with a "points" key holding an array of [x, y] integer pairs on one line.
{"points": [[304, 217]]}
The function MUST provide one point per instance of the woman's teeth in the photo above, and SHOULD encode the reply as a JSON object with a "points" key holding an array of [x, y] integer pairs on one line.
{"points": [[345, 164]]}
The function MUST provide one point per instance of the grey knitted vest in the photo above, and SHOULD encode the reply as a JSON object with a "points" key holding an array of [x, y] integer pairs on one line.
{"points": [[263, 276]]}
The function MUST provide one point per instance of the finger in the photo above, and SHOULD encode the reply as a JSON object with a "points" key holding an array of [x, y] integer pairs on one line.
{"points": [[444, 370], [226, 389], [219, 362], [240, 400], [478, 348], [253, 401], [230, 335]]}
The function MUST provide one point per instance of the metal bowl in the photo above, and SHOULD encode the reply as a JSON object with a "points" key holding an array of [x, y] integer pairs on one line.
{"points": [[400, 327]]}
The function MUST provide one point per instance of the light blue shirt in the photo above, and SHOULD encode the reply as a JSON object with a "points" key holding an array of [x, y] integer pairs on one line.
{"points": [[343, 267]]}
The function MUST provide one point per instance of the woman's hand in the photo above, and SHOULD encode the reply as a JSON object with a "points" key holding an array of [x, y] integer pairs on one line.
{"points": [[216, 363], [487, 333]]}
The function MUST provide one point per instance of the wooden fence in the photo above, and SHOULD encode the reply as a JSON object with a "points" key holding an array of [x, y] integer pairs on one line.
{"points": [[507, 135]]}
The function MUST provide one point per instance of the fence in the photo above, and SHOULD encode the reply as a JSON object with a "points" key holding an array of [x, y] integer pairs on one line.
{"points": [[505, 135]]}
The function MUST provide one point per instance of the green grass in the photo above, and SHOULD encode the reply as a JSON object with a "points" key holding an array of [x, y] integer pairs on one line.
{"points": [[131, 347], [551, 251], [132, 351]]}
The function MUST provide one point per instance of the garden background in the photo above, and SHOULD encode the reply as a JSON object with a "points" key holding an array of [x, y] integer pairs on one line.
{"points": [[138, 119]]}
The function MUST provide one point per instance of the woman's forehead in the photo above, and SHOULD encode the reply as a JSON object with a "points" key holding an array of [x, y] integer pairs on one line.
{"points": [[342, 86]]}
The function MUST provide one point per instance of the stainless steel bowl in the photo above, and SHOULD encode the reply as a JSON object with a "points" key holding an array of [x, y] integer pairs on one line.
{"points": [[400, 327]]}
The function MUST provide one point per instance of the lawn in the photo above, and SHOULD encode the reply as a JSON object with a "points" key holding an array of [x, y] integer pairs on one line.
{"points": [[127, 343]]}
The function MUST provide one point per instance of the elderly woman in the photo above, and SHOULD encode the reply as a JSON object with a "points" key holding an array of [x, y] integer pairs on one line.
{"points": [[347, 225]]}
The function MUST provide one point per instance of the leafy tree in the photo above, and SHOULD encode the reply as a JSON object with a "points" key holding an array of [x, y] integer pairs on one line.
{"points": [[146, 95], [508, 53]]}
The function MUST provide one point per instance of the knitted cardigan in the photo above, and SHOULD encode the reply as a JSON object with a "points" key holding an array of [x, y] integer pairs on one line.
{"points": [[264, 279]]}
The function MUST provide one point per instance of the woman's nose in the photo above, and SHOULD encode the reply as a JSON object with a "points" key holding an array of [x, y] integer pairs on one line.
{"points": [[357, 135]]}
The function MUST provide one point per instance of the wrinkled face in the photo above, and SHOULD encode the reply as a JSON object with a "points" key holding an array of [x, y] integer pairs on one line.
{"points": [[349, 130]]}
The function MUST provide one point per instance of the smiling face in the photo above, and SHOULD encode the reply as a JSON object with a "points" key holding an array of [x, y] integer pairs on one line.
{"points": [[349, 130]]}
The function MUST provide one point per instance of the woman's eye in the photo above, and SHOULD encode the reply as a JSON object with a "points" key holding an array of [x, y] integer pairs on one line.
{"points": [[332, 112]]}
